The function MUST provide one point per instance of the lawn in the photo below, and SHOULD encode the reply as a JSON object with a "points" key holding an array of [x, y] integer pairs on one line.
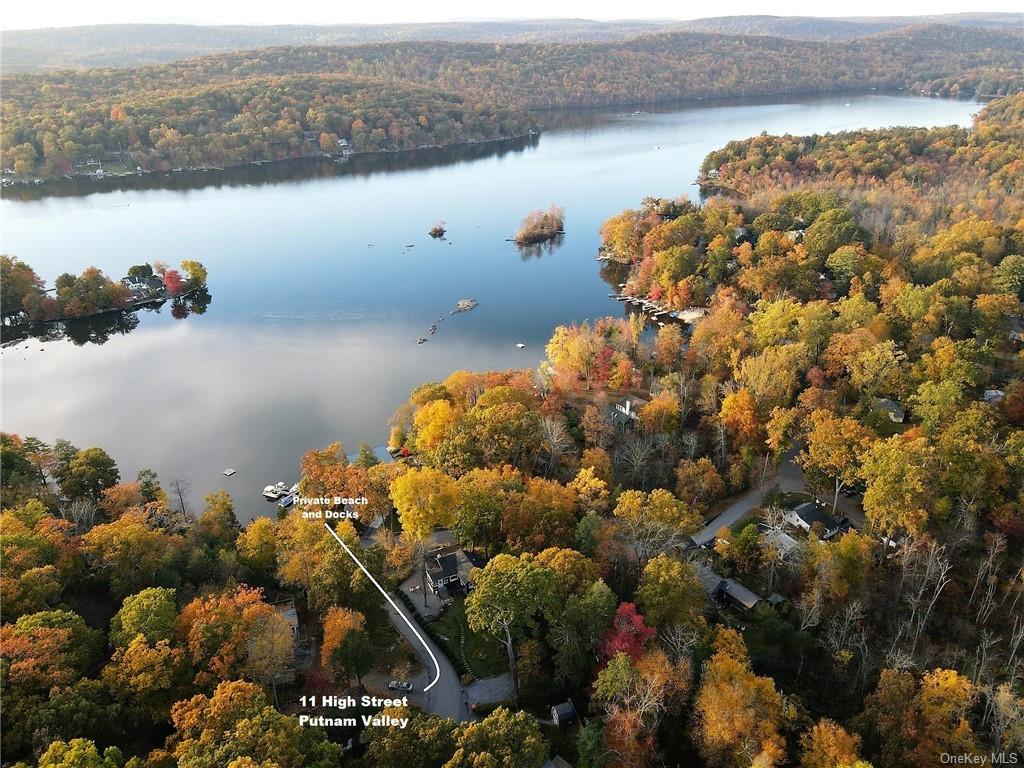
{"points": [[484, 655]]}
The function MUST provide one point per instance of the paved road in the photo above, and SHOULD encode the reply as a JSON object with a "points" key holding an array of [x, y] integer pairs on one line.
{"points": [[789, 477], [446, 698]]}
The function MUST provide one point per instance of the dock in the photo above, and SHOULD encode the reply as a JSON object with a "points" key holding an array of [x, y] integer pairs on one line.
{"points": [[660, 312]]}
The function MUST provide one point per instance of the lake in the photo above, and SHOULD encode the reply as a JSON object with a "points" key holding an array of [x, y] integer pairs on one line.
{"points": [[322, 278]]}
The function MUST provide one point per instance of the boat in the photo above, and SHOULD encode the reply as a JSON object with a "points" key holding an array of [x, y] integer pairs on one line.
{"points": [[520, 345], [286, 502], [275, 492], [421, 340], [228, 472]]}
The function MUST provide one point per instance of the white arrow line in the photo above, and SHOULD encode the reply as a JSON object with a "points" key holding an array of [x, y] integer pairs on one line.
{"points": [[433, 658]]}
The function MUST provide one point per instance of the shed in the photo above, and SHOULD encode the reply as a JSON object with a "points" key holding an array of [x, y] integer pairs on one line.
{"points": [[563, 713]]}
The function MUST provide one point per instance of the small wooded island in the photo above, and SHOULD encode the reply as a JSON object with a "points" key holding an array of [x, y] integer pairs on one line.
{"points": [[25, 297], [541, 226]]}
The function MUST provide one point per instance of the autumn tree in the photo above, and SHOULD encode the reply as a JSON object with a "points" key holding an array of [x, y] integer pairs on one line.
{"points": [[827, 745], [655, 522], [544, 517], [509, 597], [131, 554], [237, 721], [698, 482], [218, 522], [345, 646], [670, 593], [427, 741], [503, 739], [148, 677], [834, 446], [738, 715], [257, 546], [900, 485], [80, 753], [86, 474], [485, 495], [150, 613], [235, 634], [425, 499]]}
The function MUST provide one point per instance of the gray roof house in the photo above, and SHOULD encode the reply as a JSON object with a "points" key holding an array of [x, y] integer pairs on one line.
{"points": [[810, 512], [891, 407], [448, 567]]}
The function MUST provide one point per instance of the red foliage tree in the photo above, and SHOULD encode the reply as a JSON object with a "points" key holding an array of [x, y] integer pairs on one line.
{"points": [[173, 282], [628, 633]]}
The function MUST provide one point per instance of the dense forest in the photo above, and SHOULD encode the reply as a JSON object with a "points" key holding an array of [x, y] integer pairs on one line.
{"points": [[264, 104], [874, 375], [900, 177]]}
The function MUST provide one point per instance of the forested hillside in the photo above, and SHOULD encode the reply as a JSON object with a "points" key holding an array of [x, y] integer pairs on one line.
{"points": [[130, 45], [255, 105], [899, 176], [845, 28]]}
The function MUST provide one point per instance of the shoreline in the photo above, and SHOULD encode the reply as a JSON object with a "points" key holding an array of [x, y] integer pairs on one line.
{"points": [[45, 181], [53, 185]]}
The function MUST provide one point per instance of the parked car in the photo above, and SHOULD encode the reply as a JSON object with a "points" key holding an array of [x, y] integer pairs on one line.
{"points": [[400, 685]]}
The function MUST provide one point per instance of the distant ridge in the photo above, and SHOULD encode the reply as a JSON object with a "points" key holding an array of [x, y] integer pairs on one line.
{"points": [[846, 28], [131, 45]]}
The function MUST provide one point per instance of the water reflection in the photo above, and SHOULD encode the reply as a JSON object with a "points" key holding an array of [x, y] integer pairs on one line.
{"points": [[529, 251], [99, 329], [258, 174]]}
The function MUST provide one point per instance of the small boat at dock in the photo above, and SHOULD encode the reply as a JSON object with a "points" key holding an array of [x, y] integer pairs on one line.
{"points": [[275, 492]]}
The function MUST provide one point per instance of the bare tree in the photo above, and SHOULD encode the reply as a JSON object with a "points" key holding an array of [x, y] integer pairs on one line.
{"points": [[934, 579], [555, 440], [634, 456], [1016, 637], [809, 606], [993, 554], [679, 640], [839, 630], [983, 655], [650, 538], [1007, 715], [80, 512]]}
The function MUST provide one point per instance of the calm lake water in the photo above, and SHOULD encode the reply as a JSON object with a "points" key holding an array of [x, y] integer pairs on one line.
{"points": [[322, 277]]}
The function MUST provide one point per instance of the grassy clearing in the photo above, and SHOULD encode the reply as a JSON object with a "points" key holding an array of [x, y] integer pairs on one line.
{"points": [[484, 654]]}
